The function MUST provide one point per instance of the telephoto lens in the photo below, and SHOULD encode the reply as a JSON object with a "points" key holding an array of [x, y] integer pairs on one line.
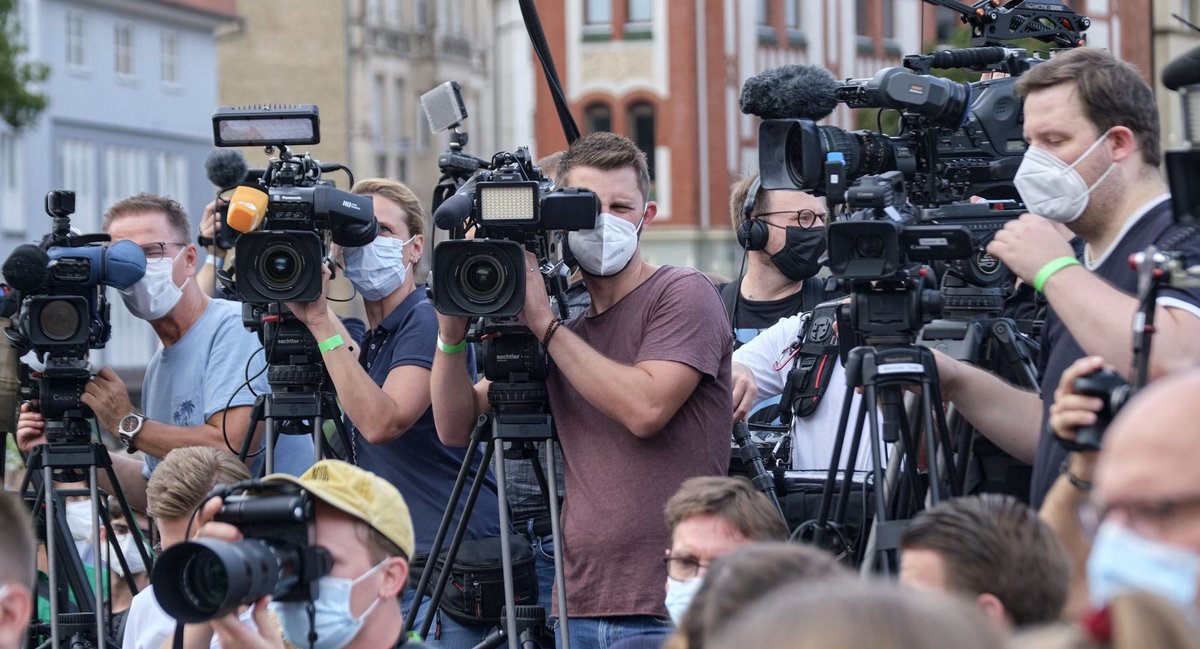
{"points": [[207, 578]]}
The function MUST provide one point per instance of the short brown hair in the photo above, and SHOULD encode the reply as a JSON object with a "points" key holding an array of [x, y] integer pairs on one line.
{"points": [[1111, 91], [737, 199], [177, 218], [18, 562], [748, 510], [996, 544], [398, 193], [379, 546], [186, 475], [736, 581], [606, 151]]}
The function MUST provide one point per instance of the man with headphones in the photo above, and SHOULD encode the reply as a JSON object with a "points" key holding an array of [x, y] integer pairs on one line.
{"points": [[783, 234]]}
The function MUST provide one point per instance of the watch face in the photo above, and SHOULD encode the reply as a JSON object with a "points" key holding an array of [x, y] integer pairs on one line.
{"points": [[128, 423]]}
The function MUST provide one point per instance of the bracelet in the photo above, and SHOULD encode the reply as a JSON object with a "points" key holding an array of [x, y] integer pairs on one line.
{"points": [[217, 262], [451, 349], [331, 343], [1052, 267], [1076, 481], [205, 242], [550, 329]]}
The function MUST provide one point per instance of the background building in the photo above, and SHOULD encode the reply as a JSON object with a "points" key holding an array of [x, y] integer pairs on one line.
{"points": [[131, 88]]}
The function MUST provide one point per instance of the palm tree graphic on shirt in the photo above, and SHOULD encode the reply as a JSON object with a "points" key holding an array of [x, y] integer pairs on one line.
{"points": [[183, 413]]}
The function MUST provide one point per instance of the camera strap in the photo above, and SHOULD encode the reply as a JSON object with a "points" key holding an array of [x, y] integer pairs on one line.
{"points": [[814, 355]]}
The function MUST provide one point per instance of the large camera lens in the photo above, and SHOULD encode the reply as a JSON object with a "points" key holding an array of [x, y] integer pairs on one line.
{"points": [[279, 266], [482, 279], [59, 320], [203, 579], [479, 277]]}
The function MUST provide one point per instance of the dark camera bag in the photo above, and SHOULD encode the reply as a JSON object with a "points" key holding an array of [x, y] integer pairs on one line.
{"points": [[474, 594]]}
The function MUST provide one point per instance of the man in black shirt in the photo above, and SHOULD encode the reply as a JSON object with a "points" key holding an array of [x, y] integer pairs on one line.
{"points": [[783, 233], [1092, 165]]}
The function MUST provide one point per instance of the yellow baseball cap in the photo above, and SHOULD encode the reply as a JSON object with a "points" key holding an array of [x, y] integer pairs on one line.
{"points": [[361, 494]]}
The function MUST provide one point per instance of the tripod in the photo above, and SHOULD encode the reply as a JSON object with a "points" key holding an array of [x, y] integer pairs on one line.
{"points": [[67, 453], [883, 373], [520, 413]]}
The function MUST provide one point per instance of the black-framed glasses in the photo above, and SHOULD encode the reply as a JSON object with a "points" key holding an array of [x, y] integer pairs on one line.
{"points": [[158, 249], [684, 568], [804, 218]]}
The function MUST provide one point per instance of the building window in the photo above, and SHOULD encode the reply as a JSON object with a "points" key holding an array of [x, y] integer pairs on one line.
{"points": [[123, 49], [641, 131], [126, 172], [391, 12], [378, 99], [764, 13], [76, 40], [10, 184], [398, 116], [173, 176], [889, 18], [599, 12], [421, 14], [170, 58], [793, 14], [372, 12], [639, 11], [78, 174], [381, 165], [422, 132], [860, 18], [597, 117], [402, 168]]}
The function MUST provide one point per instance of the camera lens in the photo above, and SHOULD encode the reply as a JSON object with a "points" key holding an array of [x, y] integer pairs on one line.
{"points": [[482, 279], [205, 582], [199, 580], [868, 246], [279, 266], [59, 320]]}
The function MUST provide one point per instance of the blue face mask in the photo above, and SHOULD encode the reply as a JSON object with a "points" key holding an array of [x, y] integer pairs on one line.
{"points": [[377, 269], [1123, 560], [680, 594], [333, 622]]}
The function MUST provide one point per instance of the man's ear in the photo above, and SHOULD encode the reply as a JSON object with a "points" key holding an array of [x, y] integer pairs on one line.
{"points": [[651, 212], [15, 606], [395, 577], [1123, 142], [994, 609]]}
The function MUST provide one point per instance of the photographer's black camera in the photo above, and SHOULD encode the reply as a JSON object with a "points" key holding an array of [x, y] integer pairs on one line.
{"points": [[1113, 391], [199, 580], [290, 216], [513, 209]]}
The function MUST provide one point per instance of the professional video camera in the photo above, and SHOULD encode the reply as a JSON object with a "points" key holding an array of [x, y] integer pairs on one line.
{"points": [[289, 216], [64, 311], [199, 580], [513, 208], [956, 140]]}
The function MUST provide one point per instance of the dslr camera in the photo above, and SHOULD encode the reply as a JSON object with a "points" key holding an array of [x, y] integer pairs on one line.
{"points": [[199, 580], [64, 311], [512, 208], [290, 214]]}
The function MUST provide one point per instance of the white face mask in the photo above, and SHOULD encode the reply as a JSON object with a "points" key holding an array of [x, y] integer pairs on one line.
{"points": [[79, 521], [155, 294], [1052, 188], [132, 556], [680, 595], [606, 249], [377, 269]]}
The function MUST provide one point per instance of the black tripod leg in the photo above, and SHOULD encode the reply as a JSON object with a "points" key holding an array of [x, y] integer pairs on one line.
{"points": [[510, 595], [907, 454], [560, 576], [941, 429], [848, 477], [870, 404], [831, 475]]}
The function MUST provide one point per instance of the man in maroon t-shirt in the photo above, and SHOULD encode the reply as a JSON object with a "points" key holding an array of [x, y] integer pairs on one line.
{"points": [[640, 393]]}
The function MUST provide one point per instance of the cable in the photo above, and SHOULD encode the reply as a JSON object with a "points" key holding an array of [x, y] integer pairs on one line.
{"points": [[245, 384]]}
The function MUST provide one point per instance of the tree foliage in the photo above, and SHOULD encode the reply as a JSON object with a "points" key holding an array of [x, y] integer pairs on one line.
{"points": [[20, 102]]}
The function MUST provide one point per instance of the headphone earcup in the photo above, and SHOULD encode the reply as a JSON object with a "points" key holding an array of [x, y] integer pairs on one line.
{"points": [[752, 234]]}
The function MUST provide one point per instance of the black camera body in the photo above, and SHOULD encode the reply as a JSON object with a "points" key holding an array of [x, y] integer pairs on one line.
{"points": [[64, 311], [513, 208], [1113, 391], [199, 580]]}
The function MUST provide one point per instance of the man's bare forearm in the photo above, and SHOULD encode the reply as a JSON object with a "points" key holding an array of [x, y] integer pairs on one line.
{"points": [[1007, 415]]}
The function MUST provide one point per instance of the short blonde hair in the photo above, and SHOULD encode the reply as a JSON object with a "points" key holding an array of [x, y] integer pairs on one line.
{"points": [[186, 476], [398, 193]]}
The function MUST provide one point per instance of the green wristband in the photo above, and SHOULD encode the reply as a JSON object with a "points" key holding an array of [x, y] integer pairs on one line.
{"points": [[1051, 267], [331, 343], [451, 349]]}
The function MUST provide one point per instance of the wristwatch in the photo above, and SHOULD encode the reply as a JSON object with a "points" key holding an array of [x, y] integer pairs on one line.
{"points": [[129, 427]]}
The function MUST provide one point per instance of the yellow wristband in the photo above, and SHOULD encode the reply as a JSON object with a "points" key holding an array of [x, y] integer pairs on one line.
{"points": [[1052, 267]]}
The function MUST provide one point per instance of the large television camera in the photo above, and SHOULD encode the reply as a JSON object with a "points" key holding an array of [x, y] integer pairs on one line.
{"points": [[289, 214], [199, 580], [956, 140], [512, 208], [64, 311]]}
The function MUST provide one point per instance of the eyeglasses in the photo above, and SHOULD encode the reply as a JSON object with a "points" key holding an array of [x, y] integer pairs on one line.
{"points": [[1149, 517], [804, 218], [158, 249], [684, 568]]}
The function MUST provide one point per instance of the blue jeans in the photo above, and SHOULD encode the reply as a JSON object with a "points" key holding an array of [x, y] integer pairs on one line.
{"points": [[602, 632], [543, 560], [445, 632]]}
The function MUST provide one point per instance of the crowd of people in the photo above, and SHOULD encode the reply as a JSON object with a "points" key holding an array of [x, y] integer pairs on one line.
{"points": [[661, 548]]}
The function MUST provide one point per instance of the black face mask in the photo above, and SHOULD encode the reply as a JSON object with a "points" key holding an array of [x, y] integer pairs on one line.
{"points": [[802, 250]]}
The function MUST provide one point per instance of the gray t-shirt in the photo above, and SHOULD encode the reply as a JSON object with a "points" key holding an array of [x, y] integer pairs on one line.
{"points": [[193, 379]]}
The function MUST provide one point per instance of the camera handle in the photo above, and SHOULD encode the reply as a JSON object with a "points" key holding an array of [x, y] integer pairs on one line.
{"points": [[493, 429], [882, 373], [42, 462]]}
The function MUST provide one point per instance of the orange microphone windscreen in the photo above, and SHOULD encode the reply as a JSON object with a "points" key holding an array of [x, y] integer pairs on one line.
{"points": [[247, 208]]}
